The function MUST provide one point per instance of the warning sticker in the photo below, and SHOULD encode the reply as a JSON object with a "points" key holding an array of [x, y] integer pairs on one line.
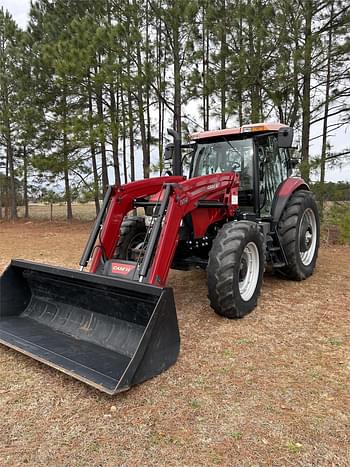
{"points": [[234, 199]]}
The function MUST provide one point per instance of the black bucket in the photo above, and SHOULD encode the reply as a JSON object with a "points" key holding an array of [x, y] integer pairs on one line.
{"points": [[109, 333]]}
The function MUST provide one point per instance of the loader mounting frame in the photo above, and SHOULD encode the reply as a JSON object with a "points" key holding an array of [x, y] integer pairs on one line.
{"points": [[217, 194]]}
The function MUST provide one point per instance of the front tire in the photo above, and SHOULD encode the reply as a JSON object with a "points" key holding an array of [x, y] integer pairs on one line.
{"points": [[235, 269], [299, 232], [132, 236]]}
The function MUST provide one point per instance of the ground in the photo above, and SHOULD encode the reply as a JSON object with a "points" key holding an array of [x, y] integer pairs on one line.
{"points": [[270, 389]]}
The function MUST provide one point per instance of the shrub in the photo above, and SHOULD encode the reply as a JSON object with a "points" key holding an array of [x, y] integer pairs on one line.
{"points": [[338, 214]]}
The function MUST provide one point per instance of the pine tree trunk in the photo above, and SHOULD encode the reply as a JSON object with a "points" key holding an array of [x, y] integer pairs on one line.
{"points": [[11, 166], [177, 78], [65, 151], [255, 100], [148, 91], [305, 169], [207, 103], [131, 136], [160, 100], [95, 174], [105, 181], [114, 111], [67, 189], [148, 130], [295, 108], [326, 109], [99, 103], [141, 110], [144, 126], [223, 67], [130, 118], [93, 149], [7, 192], [115, 135], [239, 90], [205, 59], [68, 195], [25, 183], [125, 168]]}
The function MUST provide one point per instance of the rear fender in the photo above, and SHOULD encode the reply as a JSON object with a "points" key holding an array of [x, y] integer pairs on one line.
{"points": [[283, 194]]}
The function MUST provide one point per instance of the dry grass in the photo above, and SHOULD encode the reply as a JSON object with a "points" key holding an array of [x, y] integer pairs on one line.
{"points": [[271, 389]]}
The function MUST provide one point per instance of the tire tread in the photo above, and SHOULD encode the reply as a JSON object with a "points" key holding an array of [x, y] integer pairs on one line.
{"points": [[223, 257]]}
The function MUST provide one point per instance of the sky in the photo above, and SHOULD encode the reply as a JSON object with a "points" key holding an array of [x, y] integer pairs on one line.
{"points": [[340, 141], [19, 10]]}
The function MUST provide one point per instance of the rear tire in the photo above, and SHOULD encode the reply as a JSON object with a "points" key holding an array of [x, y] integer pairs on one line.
{"points": [[299, 232], [235, 269], [132, 234]]}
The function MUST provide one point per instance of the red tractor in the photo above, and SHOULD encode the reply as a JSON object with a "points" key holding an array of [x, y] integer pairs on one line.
{"points": [[238, 211]]}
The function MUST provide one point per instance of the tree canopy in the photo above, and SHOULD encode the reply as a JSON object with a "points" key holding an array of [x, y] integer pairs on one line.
{"points": [[88, 89]]}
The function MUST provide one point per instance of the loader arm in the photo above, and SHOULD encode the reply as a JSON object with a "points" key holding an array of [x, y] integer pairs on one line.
{"points": [[185, 199], [209, 198], [122, 202]]}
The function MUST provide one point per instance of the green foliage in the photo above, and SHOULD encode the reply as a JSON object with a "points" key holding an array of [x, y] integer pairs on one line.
{"points": [[335, 341], [335, 198], [294, 447], [89, 83], [236, 435], [331, 191], [195, 404], [50, 197], [338, 213], [244, 341]]}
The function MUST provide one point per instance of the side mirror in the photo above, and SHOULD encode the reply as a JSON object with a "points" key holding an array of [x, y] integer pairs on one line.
{"points": [[285, 137], [169, 152]]}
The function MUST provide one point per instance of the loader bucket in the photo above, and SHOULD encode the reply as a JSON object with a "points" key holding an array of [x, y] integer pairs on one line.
{"points": [[109, 333]]}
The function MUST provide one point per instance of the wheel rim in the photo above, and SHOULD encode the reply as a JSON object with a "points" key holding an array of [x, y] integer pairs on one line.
{"points": [[249, 271], [307, 237], [135, 247]]}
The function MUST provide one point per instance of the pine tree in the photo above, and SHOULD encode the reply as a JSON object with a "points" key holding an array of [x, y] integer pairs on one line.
{"points": [[10, 38], [179, 19]]}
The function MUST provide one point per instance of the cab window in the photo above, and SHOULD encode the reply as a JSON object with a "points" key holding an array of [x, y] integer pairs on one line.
{"points": [[226, 156]]}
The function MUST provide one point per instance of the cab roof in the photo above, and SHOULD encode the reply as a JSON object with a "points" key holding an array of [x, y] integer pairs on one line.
{"points": [[249, 128]]}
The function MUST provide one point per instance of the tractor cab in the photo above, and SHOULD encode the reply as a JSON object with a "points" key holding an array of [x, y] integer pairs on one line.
{"points": [[219, 155], [259, 153]]}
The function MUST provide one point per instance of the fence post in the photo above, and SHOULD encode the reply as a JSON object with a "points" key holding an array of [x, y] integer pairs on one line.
{"points": [[51, 212]]}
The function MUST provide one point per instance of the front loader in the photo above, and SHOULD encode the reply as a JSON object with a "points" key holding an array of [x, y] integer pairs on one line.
{"points": [[115, 326]]}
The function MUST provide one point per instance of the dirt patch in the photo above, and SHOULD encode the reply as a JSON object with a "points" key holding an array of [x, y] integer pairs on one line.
{"points": [[271, 389]]}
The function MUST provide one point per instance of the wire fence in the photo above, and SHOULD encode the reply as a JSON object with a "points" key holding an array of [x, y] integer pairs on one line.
{"points": [[58, 212], [335, 228]]}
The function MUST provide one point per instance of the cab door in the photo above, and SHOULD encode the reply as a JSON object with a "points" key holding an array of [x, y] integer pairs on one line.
{"points": [[273, 169]]}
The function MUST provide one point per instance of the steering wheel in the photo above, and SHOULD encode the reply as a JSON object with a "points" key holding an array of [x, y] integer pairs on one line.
{"points": [[235, 166]]}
